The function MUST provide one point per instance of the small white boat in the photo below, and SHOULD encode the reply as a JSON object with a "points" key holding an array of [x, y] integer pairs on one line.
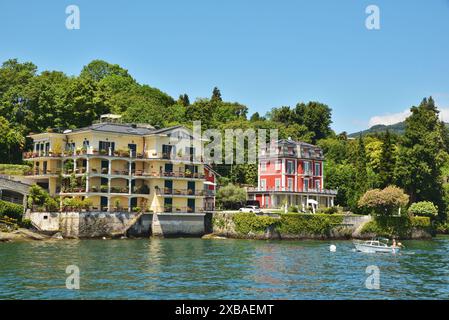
{"points": [[375, 245]]}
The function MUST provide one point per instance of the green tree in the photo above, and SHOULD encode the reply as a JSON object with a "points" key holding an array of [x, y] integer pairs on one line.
{"points": [[256, 117], [384, 202], [231, 197], [99, 69], [216, 95], [11, 142], [361, 175], [317, 117], [422, 155], [387, 161], [424, 209], [184, 100]]}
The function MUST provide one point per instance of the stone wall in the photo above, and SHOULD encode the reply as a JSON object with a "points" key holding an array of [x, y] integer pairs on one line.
{"points": [[84, 224], [223, 225], [114, 224], [183, 224]]}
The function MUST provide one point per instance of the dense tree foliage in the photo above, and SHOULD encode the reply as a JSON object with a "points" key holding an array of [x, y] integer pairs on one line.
{"points": [[51, 100]]}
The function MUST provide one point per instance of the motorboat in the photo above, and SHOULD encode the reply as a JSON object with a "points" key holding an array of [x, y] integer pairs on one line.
{"points": [[375, 245]]}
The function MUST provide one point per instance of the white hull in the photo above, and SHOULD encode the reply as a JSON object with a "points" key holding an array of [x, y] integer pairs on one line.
{"points": [[367, 248]]}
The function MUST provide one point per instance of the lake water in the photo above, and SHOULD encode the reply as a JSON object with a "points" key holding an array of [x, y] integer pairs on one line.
{"points": [[220, 269]]}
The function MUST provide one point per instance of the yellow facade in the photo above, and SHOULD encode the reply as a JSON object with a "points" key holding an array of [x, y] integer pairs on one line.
{"points": [[119, 171]]}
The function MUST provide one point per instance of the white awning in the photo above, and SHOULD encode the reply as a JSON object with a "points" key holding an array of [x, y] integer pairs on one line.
{"points": [[311, 201], [210, 183]]}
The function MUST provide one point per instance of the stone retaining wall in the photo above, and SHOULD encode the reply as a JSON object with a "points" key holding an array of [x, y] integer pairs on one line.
{"points": [[112, 224]]}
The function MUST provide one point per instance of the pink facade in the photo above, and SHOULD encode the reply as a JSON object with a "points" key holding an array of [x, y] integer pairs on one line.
{"points": [[210, 187], [291, 173]]}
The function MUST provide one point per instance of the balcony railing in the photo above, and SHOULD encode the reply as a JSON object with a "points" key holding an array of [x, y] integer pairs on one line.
{"points": [[42, 172], [308, 173], [284, 189], [209, 193], [119, 189], [175, 209], [179, 192], [115, 153]]}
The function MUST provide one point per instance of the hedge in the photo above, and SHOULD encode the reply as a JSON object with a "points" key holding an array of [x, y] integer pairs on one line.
{"points": [[246, 222], [11, 210], [316, 224], [396, 226], [14, 169], [289, 223]]}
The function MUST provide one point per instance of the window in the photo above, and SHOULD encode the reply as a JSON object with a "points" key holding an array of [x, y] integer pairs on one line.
{"points": [[167, 151], [86, 144], [277, 183], [70, 146], [263, 184], [133, 149], [277, 165], [105, 145], [306, 167], [290, 168], [263, 166], [317, 169], [305, 186], [318, 185], [290, 184]]}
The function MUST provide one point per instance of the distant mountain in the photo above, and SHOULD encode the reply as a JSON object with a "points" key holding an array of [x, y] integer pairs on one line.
{"points": [[398, 128]]}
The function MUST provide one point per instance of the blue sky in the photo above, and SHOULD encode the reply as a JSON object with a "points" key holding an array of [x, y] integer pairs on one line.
{"points": [[263, 54]]}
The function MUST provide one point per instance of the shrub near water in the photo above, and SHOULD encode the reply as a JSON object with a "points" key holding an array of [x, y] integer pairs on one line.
{"points": [[424, 209], [316, 224], [250, 222], [396, 226], [11, 210]]}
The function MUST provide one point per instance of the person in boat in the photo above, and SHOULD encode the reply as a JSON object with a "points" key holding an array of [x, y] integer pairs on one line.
{"points": [[394, 245]]}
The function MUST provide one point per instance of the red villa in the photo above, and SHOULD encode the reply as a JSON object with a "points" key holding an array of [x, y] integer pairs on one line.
{"points": [[292, 173], [210, 187]]}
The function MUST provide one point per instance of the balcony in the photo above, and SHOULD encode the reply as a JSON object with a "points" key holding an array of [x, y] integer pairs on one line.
{"points": [[114, 154], [42, 172], [143, 189], [209, 193], [179, 192], [176, 157], [124, 190], [173, 209], [284, 189]]}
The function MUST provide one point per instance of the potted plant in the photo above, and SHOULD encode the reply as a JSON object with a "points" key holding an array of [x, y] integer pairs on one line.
{"points": [[103, 152], [117, 205]]}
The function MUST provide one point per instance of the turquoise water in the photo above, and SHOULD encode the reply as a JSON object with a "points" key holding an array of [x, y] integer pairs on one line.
{"points": [[220, 269]]}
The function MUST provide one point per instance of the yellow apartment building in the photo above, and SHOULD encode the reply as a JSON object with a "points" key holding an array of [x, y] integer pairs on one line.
{"points": [[122, 167]]}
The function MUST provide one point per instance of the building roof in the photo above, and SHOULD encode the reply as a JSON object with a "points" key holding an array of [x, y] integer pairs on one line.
{"points": [[123, 128], [298, 143]]}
